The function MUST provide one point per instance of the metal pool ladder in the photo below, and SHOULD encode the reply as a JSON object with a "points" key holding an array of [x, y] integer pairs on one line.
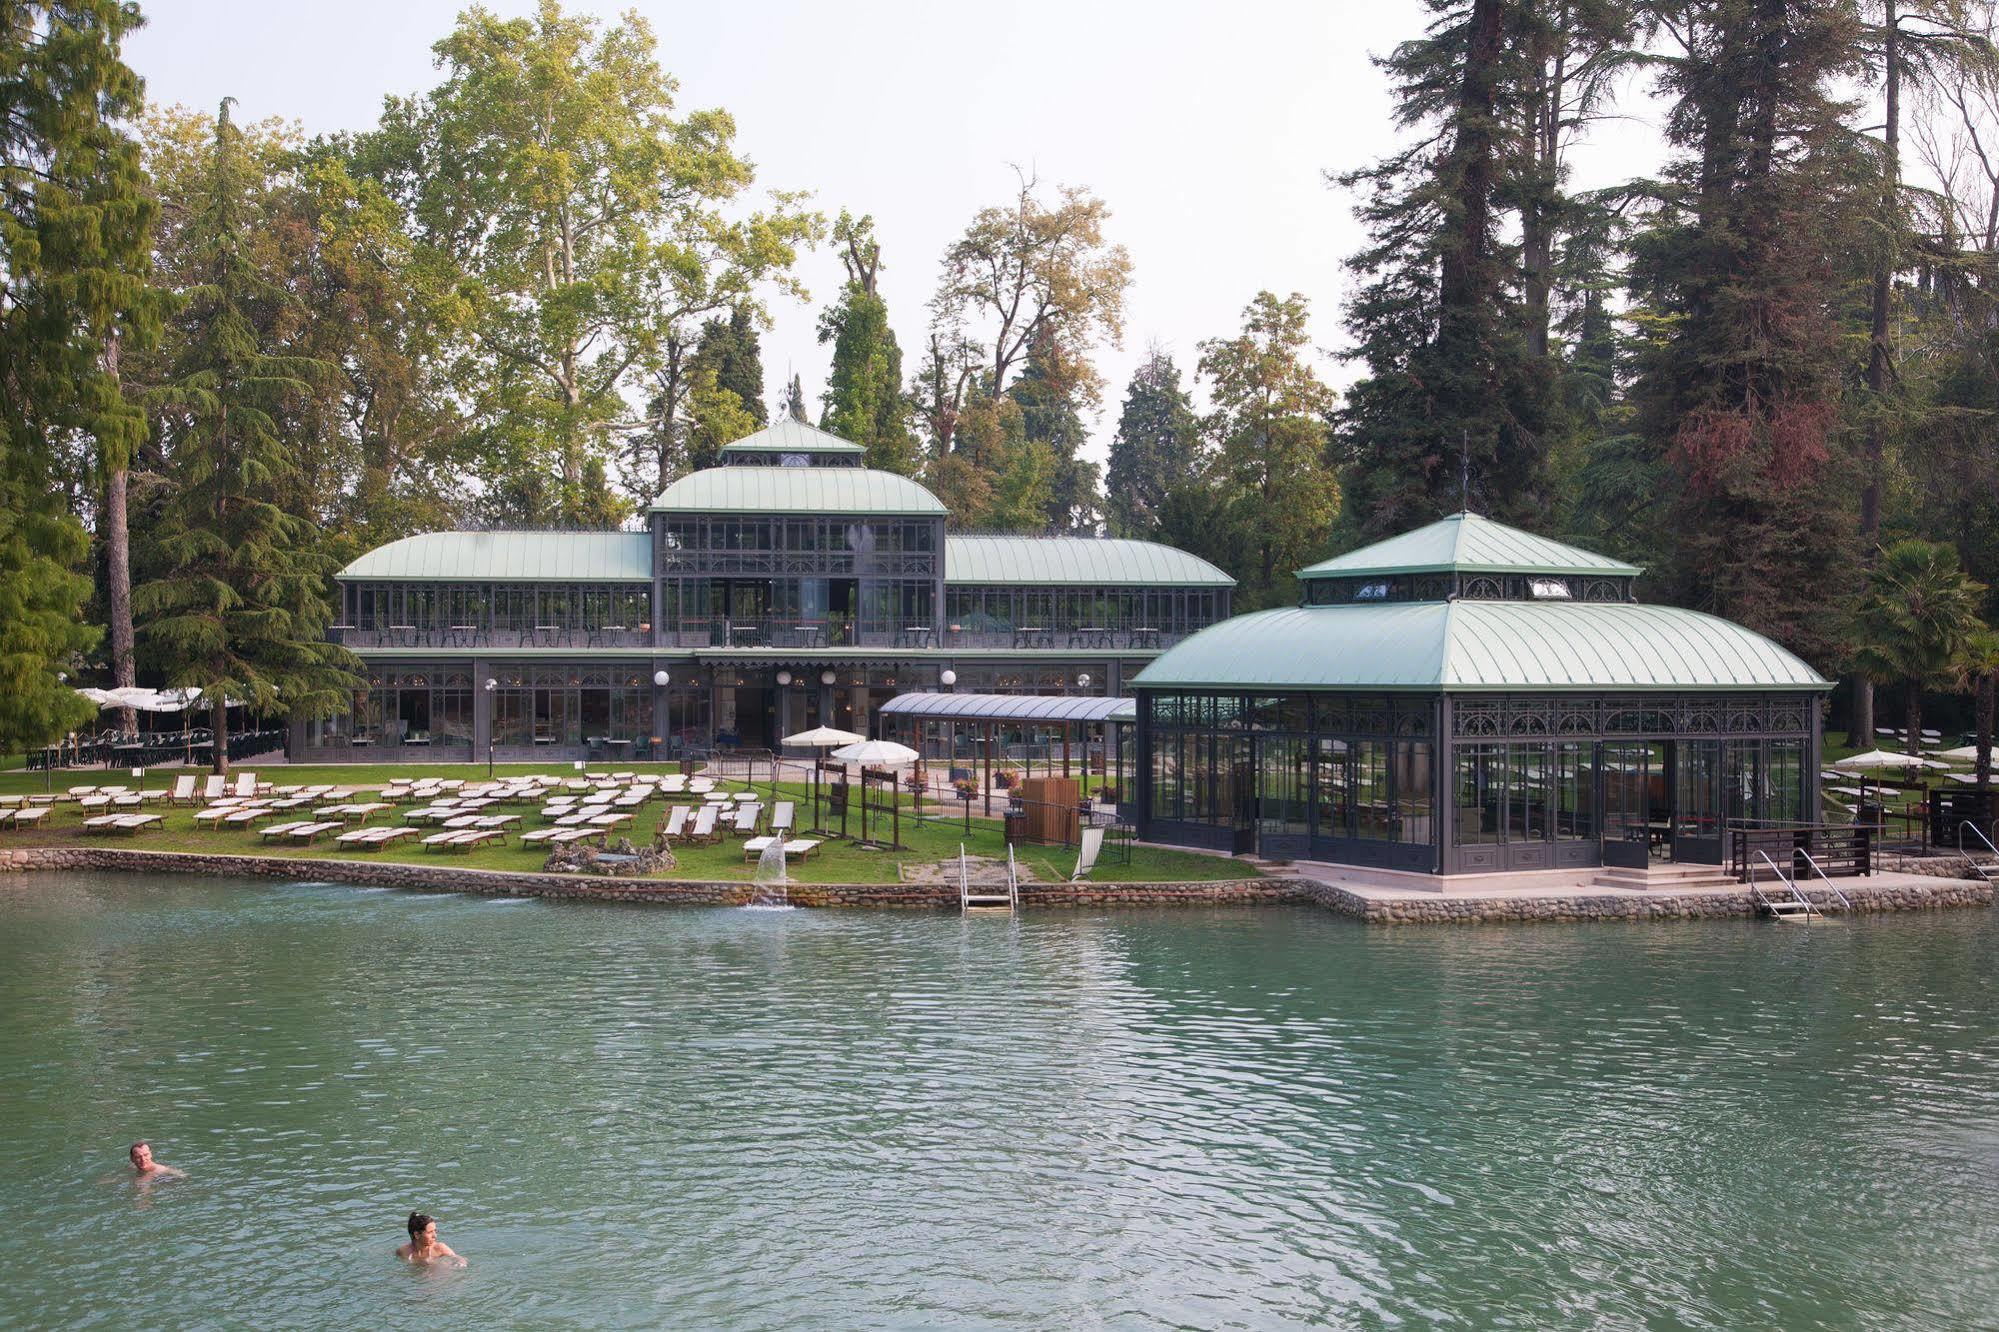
{"points": [[1987, 870], [1792, 904], [987, 897]]}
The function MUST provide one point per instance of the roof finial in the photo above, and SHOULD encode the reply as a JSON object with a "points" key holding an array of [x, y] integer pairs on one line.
{"points": [[1464, 471]]}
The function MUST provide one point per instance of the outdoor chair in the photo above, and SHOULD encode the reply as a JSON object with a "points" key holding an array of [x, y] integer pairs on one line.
{"points": [[215, 788], [704, 826], [183, 790], [246, 784], [675, 826], [782, 816], [746, 819], [1086, 854]]}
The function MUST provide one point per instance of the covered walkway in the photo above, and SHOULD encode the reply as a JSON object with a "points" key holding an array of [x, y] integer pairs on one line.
{"points": [[979, 735]]}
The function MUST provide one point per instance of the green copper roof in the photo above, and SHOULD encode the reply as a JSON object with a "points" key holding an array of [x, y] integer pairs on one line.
{"points": [[512, 556], [1475, 645], [789, 436], [830, 490], [1465, 541], [1093, 561]]}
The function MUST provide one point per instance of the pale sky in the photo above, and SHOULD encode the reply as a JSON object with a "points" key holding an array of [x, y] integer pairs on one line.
{"points": [[1206, 128]]}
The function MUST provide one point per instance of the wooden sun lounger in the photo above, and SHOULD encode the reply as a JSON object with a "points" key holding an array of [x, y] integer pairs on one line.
{"points": [[7, 816], [782, 815], [794, 848], [246, 784], [307, 833], [675, 826], [278, 830], [214, 789], [744, 819], [373, 839], [183, 790], [101, 822], [704, 826], [567, 835], [138, 823], [608, 821], [30, 817]]}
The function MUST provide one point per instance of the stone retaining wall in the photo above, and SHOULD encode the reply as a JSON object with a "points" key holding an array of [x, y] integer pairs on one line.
{"points": [[514, 883], [1422, 909]]}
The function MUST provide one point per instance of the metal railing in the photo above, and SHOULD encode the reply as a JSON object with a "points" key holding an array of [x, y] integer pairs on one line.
{"points": [[1777, 907], [1844, 849], [1830, 886], [1984, 841]]}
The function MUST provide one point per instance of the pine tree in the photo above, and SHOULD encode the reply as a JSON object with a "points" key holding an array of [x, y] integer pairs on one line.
{"points": [[864, 399], [73, 226], [792, 404], [1456, 289], [241, 610], [1743, 279], [1157, 446]]}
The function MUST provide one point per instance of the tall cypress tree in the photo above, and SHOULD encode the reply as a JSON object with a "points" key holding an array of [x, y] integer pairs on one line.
{"points": [[73, 259], [1157, 447], [241, 610], [732, 349], [864, 400], [1051, 392]]}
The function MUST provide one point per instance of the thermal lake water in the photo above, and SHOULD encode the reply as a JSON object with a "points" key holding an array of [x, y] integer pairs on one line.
{"points": [[751, 1119]]}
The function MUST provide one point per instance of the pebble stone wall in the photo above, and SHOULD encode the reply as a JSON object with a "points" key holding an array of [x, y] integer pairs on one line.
{"points": [[1233, 892]]}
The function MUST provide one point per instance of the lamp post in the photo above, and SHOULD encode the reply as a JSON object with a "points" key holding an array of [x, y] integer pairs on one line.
{"points": [[661, 679], [491, 685]]}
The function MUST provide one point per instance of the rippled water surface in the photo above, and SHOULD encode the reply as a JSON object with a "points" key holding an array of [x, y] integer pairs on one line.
{"points": [[722, 1119]]}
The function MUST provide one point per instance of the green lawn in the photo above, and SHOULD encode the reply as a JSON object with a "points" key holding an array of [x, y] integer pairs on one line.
{"points": [[924, 841]]}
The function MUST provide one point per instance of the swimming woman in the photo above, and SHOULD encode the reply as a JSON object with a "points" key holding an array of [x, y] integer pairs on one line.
{"points": [[424, 1246]]}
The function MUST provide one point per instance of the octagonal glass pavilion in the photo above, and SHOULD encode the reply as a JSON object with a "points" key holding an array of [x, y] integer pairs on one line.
{"points": [[1470, 697]]}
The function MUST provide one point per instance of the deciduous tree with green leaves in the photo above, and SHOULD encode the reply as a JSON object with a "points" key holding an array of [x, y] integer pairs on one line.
{"points": [[73, 264], [240, 609], [1268, 431], [584, 227]]}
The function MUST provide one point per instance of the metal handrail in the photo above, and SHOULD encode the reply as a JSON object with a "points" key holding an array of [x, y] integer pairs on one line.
{"points": [[1964, 855], [1782, 878], [1831, 887], [1012, 882], [964, 882]]}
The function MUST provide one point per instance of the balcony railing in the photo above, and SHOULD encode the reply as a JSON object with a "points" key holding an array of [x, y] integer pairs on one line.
{"points": [[468, 637], [764, 632], [833, 632]]}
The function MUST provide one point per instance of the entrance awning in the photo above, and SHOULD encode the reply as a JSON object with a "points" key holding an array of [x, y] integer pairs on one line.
{"points": [[1009, 707]]}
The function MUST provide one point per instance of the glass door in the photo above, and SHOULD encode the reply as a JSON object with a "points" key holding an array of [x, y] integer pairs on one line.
{"points": [[1630, 835], [1697, 802]]}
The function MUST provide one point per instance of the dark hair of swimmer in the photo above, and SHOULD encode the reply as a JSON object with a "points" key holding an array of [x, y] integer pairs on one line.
{"points": [[417, 1222]]}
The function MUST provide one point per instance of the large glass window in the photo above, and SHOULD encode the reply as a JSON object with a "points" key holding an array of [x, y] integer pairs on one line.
{"points": [[1527, 793], [1575, 792], [1371, 790], [1481, 793], [1332, 789], [1415, 796]]}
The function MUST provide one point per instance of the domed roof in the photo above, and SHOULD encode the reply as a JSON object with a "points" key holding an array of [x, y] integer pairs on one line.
{"points": [[1462, 646]]}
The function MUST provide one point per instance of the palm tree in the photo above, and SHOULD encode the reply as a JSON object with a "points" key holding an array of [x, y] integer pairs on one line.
{"points": [[1978, 672], [1912, 627]]}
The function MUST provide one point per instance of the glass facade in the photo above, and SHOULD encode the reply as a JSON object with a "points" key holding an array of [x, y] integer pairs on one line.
{"points": [[1526, 782], [424, 707]]}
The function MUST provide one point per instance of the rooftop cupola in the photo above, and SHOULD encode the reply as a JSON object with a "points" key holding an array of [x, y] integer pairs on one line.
{"points": [[790, 443], [1469, 557]]}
